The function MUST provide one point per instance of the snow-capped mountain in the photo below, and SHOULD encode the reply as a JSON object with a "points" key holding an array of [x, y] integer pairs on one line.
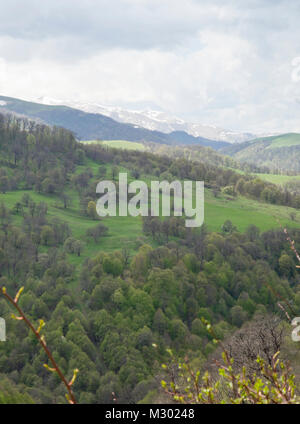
{"points": [[155, 121]]}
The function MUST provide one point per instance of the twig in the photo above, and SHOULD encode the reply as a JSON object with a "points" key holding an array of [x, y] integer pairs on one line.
{"points": [[70, 396]]}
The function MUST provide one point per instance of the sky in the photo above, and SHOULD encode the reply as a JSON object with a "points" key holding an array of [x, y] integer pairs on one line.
{"points": [[233, 64]]}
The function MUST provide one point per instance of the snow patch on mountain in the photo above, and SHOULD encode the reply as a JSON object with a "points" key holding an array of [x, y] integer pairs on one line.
{"points": [[156, 121]]}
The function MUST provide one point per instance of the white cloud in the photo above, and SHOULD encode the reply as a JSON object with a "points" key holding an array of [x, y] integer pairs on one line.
{"points": [[228, 65]]}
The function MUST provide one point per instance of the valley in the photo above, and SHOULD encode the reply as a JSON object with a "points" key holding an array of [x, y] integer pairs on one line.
{"points": [[121, 291]]}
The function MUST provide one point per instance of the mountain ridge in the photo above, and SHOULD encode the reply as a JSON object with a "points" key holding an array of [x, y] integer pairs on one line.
{"points": [[87, 126], [157, 121]]}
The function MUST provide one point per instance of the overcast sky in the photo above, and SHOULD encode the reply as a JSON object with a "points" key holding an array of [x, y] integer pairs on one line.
{"points": [[233, 64]]}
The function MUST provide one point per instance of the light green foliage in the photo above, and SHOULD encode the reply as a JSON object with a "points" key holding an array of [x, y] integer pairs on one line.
{"points": [[273, 383]]}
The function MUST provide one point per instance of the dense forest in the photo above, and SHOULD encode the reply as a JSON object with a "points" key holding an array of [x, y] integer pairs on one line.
{"points": [[115, 315]]}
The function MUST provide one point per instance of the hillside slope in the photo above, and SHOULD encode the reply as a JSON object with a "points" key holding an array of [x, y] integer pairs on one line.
{"points": [[90, 126], [117, 293], [155, 120], [279, 153]]}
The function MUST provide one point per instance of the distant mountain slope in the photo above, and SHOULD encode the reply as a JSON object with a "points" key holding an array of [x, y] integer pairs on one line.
{"points": [[280, 153], [182, 137], [90, 126], [285, 140], [156, 121]]}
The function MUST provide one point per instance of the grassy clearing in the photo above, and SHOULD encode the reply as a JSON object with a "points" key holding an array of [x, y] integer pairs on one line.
{"points": [[285, 140], [125, 231], [272, 178], [118, 144], [244, 212], [278, 179]]}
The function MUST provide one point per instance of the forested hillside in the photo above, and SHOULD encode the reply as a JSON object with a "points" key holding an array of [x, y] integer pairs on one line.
{"points": [[281, 153], [116, 293]]}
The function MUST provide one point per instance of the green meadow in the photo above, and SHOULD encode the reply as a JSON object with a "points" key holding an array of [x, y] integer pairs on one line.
{"points": [[272, 178], [285, 140], [278, 179], [126, 231], [118, 144]]}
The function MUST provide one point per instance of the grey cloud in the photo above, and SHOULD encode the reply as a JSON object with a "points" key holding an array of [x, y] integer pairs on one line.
{"points": [[77, 28], [227, 62], [123, 23]]}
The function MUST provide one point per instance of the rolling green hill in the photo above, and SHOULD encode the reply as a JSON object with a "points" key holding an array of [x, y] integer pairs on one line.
{"points": [[126, 231], [116, 293], [278, 153], [285, 140]]}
